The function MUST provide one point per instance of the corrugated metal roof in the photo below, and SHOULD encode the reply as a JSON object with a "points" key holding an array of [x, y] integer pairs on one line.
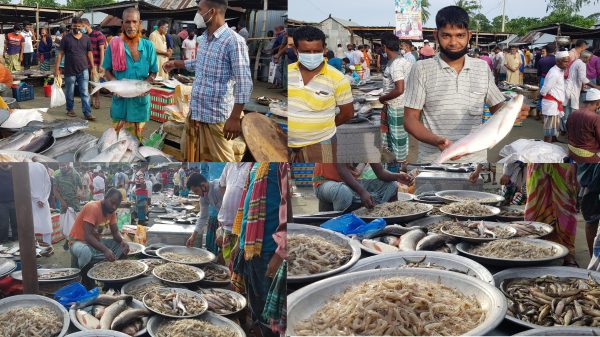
{"points": [[345, 23], [173, 4]]}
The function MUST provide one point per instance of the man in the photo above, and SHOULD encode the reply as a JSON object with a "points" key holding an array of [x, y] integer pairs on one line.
{"points": [[130, 57], [159, 40], [87, 245], [593, 69], [243, 31], [98, 42], [405, 50], [279, 40], [142, 193], [537, 56], [394, 136], [486, 57], [350, 52], [340, 52], [176, 41], [28, 44], [543, 67], [450, 112], [120, 178], [183, 34], [340, 185], [13, 49], [315, 90], [426, 51], [182, 177], [576, 83], [512, 63], [8, 214], [99, 185], [334, 61], [210, 195], [574, 53], [584, 143], [40, 188], [498, 63], [76, 48], [67, 186], [359, 60], [553, 97], [222, 85], [86, 181], [189, 47]]}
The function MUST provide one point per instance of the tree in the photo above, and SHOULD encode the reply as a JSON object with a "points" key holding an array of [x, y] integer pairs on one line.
{"points": [[87, 4], [425, 10], [468, 5], [43, 3], [497, 24], [567, 6], [484, 23]]}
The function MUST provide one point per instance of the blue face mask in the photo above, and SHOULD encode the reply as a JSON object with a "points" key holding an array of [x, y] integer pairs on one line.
{"points": [[83, 30], [311, 61]]}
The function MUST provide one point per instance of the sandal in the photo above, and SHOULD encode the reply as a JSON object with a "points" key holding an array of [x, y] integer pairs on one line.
{"points": [[71, 114], [90, 118]]}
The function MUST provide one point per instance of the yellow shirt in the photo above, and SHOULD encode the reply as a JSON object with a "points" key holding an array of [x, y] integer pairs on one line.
{"points": [[311, 107]]}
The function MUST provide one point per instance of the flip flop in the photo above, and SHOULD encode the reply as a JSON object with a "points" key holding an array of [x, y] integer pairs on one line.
{"points": [[71, 114]]}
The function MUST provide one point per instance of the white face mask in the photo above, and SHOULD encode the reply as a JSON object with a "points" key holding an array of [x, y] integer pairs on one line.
{"points": [[199, 20], [402, 51]]}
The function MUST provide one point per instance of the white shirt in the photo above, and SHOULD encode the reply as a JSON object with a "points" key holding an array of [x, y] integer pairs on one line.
{"points": [[499, 62], [577, 78], [233, 179], [99, 187], [554, 84], [358, 55], [244, 33], [189, 48], [410, 58], [40, 188], [340, 53], [27, 42], [396, 70], [2, 39]]}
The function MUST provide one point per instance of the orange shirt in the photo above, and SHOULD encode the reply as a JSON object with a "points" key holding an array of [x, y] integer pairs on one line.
{"points": [[92, 213]]}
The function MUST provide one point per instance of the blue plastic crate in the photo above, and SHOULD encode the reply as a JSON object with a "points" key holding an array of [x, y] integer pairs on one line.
{"points": [[24, 92]]}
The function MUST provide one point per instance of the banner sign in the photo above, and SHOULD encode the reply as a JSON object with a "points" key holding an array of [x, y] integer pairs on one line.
{"points": [[408, 19]]}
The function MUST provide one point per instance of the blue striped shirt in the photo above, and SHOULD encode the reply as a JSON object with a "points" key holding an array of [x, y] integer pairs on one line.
{"points": [[223, 76]]}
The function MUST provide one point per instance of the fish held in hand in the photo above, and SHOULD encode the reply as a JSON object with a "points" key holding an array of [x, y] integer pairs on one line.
{"points": [[488, 134], [124, 88]]}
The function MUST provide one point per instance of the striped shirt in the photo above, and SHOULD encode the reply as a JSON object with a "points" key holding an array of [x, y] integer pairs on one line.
{"points": [[222, 78], [397, 70], [97, 39], [452, 103], [311, 107]]}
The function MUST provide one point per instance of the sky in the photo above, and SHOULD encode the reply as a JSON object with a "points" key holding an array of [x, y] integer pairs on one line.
{"points": [[381, 12]]}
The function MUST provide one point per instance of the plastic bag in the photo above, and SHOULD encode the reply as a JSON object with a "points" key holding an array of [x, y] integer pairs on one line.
{"points": [[272, 68], [344, 223], [156, 139], [532, 151], [76, 293], [57, 98], [67, 220], [369, 230]]}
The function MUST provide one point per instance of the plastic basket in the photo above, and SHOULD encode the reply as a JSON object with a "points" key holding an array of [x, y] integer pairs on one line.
{"points": [[23, 92]]}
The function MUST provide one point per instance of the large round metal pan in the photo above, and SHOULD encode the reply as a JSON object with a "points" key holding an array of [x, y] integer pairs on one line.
{"points": [[508, 218], [495, 212], [207, 256], [489, 225], [18, 301], [561, 251], [399, 218], [135, 304], [488, 198], [561, 331], [119, 280], [156, 321]]}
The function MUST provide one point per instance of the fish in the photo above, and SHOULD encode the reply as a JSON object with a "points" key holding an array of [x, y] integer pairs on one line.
{"points": [[390, 240], [113, 153], [379, 246], [408, 241], [26, 141], [105, 299], [432, 242], [98, 311], [124, 88], [133, 328], [111, 312], [127, 317], [148, 151], [87, 320], [488, 134], [60, 128], [21, 117], [397, 229], [108, 138]]}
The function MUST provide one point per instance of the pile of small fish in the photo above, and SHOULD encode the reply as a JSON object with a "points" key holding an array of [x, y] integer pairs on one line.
{"points": [[431, 265], [33, 321], [395, 306], [220, 302], [311, 254], [117, 316], [466, 199], [192, 328], [138, 292], [185, 258], [554, 301], [469, 208], [152, 263], [476, 229], [174, 303], [214, 273], [416, 239], [512, 249], [525, 229], [57, 274], [176, 272], [397, 208], [117, 270], [512, 212]]}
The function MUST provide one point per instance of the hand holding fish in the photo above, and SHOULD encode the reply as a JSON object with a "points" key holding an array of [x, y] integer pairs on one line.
{"points": [[405, 178], [445, 143]]}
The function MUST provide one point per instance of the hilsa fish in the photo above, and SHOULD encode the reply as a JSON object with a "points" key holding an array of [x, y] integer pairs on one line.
{"points": [[124, 88], [488, 134]]}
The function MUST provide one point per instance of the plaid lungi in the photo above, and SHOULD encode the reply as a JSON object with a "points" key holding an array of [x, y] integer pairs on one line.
{"points": [[323, 152], [551, 124]]}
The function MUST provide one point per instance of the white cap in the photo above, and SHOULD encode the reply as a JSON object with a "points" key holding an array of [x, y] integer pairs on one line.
{"points": [[425, 41], [592, 95], [562, 54]]}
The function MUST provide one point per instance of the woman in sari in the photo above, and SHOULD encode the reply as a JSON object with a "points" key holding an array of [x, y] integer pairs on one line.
{"points": [[552, 199]]}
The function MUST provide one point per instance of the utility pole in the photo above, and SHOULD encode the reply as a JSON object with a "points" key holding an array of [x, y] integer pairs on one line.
{"points": [[477, 35], [503, 14]]}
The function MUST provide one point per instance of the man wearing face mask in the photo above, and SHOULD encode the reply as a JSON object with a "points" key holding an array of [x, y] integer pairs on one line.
{"points": [[406, 51], [449, 90], [222, 86], [315, 90], [584, 145]]}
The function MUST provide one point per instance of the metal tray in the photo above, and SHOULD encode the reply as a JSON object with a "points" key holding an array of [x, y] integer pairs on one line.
{"points": [[87, 151], [453, 262], [319, 217], [330, 236], [495, 211], [150, 250], [304, 302], [155, 322], [98, 333], [541, 271], [17, 301], [431, 198], [7, 266], [239, 298], [399, 218], [477, 195], [510, 218], [210, 257], [547, 228], [124, 279], [140, 248], [429, 221], [126, 288], [135, 304], [198, 271], [561, 331], [488, 224], [19, 276], [561, 251], [181, 291], [24, 156], [405, 196], [147, 260], [212, 282]]}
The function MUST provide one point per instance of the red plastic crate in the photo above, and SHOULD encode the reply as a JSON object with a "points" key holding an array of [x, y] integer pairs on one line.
{"points": [[159, 99]]}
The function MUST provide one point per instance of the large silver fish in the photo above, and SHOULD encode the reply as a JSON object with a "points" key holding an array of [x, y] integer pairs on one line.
{"points": [[124, 88], [488, 134], [113, 153], [59, 128], [31, 141], [20, 117]]}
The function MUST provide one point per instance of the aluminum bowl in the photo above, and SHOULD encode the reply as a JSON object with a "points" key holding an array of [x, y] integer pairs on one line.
{"points": [[24, 156], [137, 246], [87, 151], [429, 221], [155, 322], [147, 262], [539, 225], [405, 196], [199, 272], [241, 300], [305, 301], [126, 288], [331, 236], [488, 225], [135, 304], [399, 218], [7, 266], [181, 291], [75, 273], [561, 251], [210, 257], [398, 260], [561, 331], [150, 250], [494, 210], [213, 283], [123, 279], [475, 195], [507, 218], [541, 271], [17, 301], [98, 333]]}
